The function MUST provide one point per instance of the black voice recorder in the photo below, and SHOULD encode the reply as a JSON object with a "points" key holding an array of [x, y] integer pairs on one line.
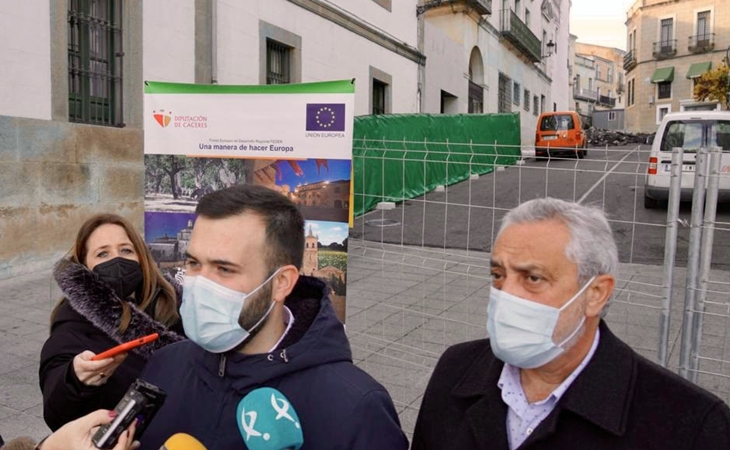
{"points": [[141, 403]]}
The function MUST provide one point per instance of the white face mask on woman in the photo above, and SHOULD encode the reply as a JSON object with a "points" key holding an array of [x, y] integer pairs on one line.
{"points": [[210, 313], [521, 331]]}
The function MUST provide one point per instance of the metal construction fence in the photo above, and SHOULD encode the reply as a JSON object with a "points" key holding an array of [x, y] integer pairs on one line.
{"points": [[418, 269]]}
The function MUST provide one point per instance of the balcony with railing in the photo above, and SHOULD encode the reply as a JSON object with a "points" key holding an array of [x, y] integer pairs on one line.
{"points": [[630, 60], [664, 49], [585, 62], [605, 100], [585, 94], [518, 33], [482, 7], [701, 43]]}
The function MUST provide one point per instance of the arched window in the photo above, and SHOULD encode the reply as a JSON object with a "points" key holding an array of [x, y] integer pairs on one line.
{"points": [[476, 81]]}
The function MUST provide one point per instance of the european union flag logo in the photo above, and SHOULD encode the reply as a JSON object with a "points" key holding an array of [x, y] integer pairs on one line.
{"points": [[325, 117]]}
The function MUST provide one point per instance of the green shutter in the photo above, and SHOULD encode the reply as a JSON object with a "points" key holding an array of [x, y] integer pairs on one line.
{"points": [[697, 69], [663, 75]]}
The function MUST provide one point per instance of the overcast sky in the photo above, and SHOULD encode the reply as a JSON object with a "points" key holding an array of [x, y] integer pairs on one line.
{"points": [[600, 22]]}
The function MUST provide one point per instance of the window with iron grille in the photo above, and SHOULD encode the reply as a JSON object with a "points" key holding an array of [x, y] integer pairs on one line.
{"points": [[631, 93], [278, 63], [379, 97], [542, 103], [505, 95], [476, 98], [703, 28], [664, 90], [94, 62], [527, 100], [516, 92], [667, 34], [535, 105]]}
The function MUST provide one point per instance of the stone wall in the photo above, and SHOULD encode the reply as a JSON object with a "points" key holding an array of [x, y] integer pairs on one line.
{"points": [[53, 176]]}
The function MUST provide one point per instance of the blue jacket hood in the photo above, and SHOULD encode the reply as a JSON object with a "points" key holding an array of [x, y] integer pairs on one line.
{"points": [[338, 404], [317, 337]]}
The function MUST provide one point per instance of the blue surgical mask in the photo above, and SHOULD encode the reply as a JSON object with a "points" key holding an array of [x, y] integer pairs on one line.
{"points": [[210, 313], [521, 331]]}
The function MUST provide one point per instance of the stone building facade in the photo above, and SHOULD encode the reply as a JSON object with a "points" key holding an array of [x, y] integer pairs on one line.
{"points": [[668, 45]]}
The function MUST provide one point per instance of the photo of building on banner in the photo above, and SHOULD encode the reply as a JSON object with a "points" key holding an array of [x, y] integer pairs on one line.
{"points": [[320, 185]]}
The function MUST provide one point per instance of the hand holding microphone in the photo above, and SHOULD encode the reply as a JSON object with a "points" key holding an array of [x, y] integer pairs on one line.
{"points": [[77, 435], [267, 421]]}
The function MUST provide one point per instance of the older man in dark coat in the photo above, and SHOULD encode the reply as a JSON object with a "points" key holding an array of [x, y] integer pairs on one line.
{"points": [[552, 375]]}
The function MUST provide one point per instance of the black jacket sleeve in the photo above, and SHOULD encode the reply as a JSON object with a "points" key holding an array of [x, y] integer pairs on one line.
{"points": [[375, 424], [715, 430], [65, 398]]}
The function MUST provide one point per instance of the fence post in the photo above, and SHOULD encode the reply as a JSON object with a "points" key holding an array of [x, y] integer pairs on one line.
{"points": [[446, 192], [708, 235], [425, 186], [693, 259], [403, 191], [670, 252], [363, 159]]}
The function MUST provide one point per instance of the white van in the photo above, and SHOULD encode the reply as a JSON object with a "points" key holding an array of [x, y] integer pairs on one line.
{"points": [[689, 130]]}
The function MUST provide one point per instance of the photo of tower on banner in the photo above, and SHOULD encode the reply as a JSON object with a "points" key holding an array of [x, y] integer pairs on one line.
{"points": [[293, 138]]}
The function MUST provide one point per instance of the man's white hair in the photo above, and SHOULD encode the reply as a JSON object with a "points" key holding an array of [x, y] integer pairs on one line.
{"points": [[591, 247]]}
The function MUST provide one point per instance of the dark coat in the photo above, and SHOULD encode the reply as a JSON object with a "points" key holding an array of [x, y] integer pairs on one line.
{"points": [[339, 405], [88, 319], [620, 401]]}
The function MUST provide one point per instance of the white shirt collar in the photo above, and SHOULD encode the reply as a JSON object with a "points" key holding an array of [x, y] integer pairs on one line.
{"points": [[513, 373]]}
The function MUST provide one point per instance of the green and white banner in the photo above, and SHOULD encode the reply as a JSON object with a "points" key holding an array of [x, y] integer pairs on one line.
{"points": [[312, 120], [294, 138]]}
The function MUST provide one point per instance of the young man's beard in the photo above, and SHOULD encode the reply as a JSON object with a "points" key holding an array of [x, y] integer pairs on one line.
{"points": [[255, 308]]}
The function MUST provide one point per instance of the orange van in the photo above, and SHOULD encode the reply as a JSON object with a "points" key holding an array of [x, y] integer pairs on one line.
{"points": [[560, 132]]}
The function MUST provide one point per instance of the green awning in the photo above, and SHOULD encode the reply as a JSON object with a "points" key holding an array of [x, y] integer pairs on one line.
{"points": [[697, 69], [662, 75]]}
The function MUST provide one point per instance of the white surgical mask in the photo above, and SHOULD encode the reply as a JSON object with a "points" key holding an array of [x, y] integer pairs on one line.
{"points": [[210, 313], [521, 331]]}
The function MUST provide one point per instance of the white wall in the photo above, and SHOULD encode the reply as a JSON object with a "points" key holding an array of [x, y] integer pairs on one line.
{"points": [[449, 41], [446, 60], [169, 40], [560, 75], [329, 51], [400, 22], [25, 59]]}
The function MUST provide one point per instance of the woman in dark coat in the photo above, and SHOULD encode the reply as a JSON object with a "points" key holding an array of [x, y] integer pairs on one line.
{"points": [[113, 293]]}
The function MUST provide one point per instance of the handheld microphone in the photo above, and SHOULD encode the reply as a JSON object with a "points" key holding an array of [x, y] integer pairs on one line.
{"points": [[182, 441], [267, 421]]}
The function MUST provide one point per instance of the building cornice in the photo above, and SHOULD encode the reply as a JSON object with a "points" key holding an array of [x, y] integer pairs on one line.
{"points": [[361, 28]]}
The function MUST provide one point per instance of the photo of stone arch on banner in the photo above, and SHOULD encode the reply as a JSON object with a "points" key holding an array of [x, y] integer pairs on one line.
{"points": [[295, 139]]}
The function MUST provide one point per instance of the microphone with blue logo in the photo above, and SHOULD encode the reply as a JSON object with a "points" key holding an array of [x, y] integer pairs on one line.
{"points": [[267, 421]]}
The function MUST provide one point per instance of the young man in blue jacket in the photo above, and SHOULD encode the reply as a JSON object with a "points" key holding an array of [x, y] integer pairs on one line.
{"points": [[253, 322]]}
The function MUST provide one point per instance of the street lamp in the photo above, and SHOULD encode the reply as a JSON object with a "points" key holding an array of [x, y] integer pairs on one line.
{"points": [[551, 45]]}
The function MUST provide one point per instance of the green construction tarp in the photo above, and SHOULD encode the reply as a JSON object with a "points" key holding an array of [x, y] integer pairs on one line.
{"points": [[697, 69], [662, 75], [403, 156]]}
